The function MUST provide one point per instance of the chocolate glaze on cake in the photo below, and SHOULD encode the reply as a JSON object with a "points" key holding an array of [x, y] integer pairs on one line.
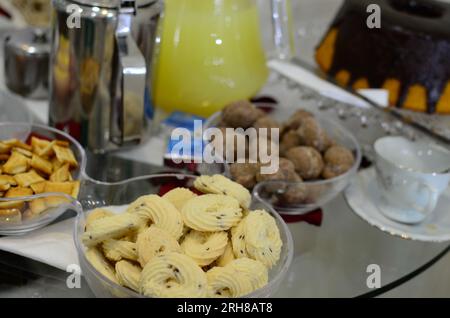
{"points": [[412, 47]]}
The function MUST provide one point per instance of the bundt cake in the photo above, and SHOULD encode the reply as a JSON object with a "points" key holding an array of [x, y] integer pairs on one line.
{"points": [[409, 55]]}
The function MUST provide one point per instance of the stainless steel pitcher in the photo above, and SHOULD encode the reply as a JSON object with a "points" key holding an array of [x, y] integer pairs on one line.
{"points": [[100, 66]]}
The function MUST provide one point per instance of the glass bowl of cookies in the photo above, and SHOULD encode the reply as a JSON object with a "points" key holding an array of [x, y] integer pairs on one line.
{"points": [[177, 235], [318, 157], [40, 173]]}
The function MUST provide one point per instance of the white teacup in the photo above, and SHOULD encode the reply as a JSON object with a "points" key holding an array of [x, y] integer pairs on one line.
{"points": [[411, 176]]}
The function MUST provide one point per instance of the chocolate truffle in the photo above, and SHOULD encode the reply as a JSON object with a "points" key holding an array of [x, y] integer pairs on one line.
{"points": [[256, 146], [338, 160], [244, 173], [312, 135], [295, 193], [292, 193], [241, 114], [296, 119], [286, 172], [287, 166], [279, 175], [269, 124], [289, 140], [266, 122], [230, 147], [307, 161]]}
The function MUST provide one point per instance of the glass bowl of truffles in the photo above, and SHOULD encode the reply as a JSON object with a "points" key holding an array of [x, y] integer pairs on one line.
{"points": [[318, 157], [177, 235], [40, 173]]}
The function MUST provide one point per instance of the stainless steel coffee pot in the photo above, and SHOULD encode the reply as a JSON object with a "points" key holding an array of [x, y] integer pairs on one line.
{"points": [[100, 66]]}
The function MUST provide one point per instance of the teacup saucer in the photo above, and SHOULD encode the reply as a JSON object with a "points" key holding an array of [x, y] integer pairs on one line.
{"points": [[362, 196]]}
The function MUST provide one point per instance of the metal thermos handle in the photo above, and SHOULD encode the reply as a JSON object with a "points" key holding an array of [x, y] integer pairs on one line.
{"points": [[131, 82]]}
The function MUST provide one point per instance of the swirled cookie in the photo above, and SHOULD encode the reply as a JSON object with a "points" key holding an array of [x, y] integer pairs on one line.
{"points": [[159, 212], [96, 215], [116, 250], [227, 256], [223, 283], [238, 239], [184, 245], [111, 227], [204, 247], [255, 271], [211, 213], [238, 278], [128, 275], [96, 258], [219, 184], [179, 196], [153, 242], [262, 238], [173, 275]]}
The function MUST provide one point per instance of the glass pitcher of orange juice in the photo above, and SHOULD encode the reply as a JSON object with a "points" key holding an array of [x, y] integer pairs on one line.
{"points": [[210, 53]]}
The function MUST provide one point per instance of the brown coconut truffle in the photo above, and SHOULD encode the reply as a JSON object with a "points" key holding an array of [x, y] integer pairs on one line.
{"points": [[312, 135], [289, 140], [241, 114], [296, 119], [338, 160], [244, 173], [269, 124], [232, 152], [254, 148], [293, 193], [259, 113], [307, 161], [287, 167], [285, 172], [279, 176], [266, 122]]}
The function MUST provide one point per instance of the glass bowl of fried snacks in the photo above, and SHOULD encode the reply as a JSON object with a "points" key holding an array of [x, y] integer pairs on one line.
{"points": [[180, 236], [40, 173]]}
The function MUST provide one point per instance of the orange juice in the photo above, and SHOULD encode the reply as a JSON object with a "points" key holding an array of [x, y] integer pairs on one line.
{"points": [[210, 54]]}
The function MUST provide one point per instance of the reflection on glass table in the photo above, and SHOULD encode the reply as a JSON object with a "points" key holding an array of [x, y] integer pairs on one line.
{"points": [[330, 260], [333, 260]]}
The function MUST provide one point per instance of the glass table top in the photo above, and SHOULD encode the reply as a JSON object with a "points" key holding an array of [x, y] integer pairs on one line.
{"points": [[330, 260]]}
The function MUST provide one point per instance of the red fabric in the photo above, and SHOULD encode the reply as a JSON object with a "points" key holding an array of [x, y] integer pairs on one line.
{"points": [[3, 12], [191, 167], [313, 218], [266, 103], [163, 189], [72, 128], [28, 141]]}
